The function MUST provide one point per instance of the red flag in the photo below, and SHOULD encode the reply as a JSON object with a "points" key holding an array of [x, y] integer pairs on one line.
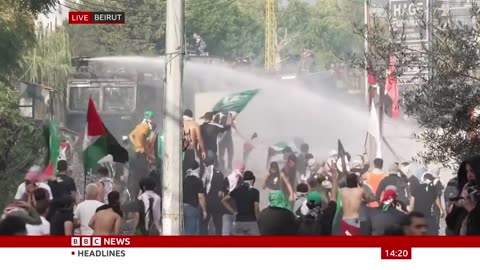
{"points": [[391, 87], [372, 86]]}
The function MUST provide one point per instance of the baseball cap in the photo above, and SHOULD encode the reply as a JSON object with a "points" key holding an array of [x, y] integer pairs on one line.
{"points": [[315, 196], [148, 114]]}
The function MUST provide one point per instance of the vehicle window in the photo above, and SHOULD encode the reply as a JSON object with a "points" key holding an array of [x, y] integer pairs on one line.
{"points": [[119, 99], [79, 97]]}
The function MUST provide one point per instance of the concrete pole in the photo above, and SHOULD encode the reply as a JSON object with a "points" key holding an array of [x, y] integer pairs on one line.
{"points": [[172, 209]]}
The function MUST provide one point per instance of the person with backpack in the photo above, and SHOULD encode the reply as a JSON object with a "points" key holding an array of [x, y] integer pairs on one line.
{"points": [[394, 179], [147, 219], [319, 221]]}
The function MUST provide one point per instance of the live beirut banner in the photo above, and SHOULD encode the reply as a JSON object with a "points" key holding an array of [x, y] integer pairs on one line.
{"points": [[174, 252]]}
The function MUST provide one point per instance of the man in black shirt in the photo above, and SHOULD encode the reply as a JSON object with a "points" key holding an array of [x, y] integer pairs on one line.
{"points": [[61, 186], [193, 199], [246, 199], [424, 196], [210, 132], [319, 221], [214, 182], [385, 216]]}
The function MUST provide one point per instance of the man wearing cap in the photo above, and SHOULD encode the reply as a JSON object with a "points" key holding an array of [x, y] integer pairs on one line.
{"points": [[386, 215], [318, 221], [138, 137]]}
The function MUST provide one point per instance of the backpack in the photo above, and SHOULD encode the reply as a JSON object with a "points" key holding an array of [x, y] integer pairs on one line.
{"points": [[150, 228], [309, 225]]}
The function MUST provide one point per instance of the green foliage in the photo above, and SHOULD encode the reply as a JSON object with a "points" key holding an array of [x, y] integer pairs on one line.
{"points": [[49, 61], [228, 30], [17, 34], [20, 146], [142, 34], [444, 102]]}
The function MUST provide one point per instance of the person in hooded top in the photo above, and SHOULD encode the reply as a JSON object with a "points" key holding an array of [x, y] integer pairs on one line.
{"points": [[424, 196], [394, 179], [213, 181], [464, 214], [277, 219], [386, 215]]}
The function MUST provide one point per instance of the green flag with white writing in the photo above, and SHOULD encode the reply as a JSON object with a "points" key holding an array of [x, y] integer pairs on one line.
{"points": [[235, 102]]}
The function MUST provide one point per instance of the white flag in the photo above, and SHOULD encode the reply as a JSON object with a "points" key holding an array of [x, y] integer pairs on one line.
{"points": [[374, 141]]}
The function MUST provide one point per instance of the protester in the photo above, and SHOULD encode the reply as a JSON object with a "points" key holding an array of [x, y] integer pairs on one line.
{"points": [[194, 203], [138, 137], [302, 159], [415, 224], [86, 210], [225, 140], [105, 185], [192, 130], [299, 207], [33, 180], [375, 177], [62, 221], [277, 180], [277, 219], [233, 180], [289, 173], [108, 218], [319, 220], [246, 199], [213, 181], [393, 179], [41, 203], [424, 196], [385, 216], [210, 132], [62, 185], [464, 215], [352, 197], [147, 218], [13, 226]]}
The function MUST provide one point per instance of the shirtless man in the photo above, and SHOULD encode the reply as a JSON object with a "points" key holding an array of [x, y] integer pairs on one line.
{"points": [[352, 197], [192, 129], [108, 218]]}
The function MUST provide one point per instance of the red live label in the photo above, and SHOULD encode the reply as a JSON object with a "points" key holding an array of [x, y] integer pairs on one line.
{"points": [[396, 253], [87, 17]]}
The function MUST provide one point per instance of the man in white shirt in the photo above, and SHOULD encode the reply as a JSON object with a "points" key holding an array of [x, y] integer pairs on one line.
{"points": [[33, 179], [86, 209], [152, 208], [40, 203]]}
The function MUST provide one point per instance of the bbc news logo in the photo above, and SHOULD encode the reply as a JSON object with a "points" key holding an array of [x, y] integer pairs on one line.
{"points": [[88, 17], [86, 241]]}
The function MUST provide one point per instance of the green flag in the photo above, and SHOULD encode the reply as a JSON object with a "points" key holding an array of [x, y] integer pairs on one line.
{"points": [[52, 137], [235, 102]]}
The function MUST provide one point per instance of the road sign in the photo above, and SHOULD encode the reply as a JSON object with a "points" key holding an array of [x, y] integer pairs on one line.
{"points": [[410, 21]]}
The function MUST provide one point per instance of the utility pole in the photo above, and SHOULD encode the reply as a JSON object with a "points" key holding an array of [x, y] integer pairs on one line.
{"points": [[172, 211]]}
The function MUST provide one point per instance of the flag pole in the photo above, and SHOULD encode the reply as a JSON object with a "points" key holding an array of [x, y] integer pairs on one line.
{"points": [[172, 189]]}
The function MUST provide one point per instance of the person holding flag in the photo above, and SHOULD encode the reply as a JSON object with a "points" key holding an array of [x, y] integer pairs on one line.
{"points": [[227, 110], [138, 137]]}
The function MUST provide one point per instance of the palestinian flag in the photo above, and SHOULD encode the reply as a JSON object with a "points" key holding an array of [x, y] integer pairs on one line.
{"points": [[235, 102], [52, 137], [98, 143], [278, 148]]}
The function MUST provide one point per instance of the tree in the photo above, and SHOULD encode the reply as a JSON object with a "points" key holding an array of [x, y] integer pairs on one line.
{"points": [[20, 145], [142, 34], [228, 30], [49, 61], [444, 102]]}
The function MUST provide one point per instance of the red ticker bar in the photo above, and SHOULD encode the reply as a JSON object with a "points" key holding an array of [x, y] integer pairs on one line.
{"points": [[396, 244], [88, 17]]}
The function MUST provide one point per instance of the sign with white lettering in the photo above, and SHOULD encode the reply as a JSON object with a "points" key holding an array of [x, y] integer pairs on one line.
{"points": [[410, 21]]}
